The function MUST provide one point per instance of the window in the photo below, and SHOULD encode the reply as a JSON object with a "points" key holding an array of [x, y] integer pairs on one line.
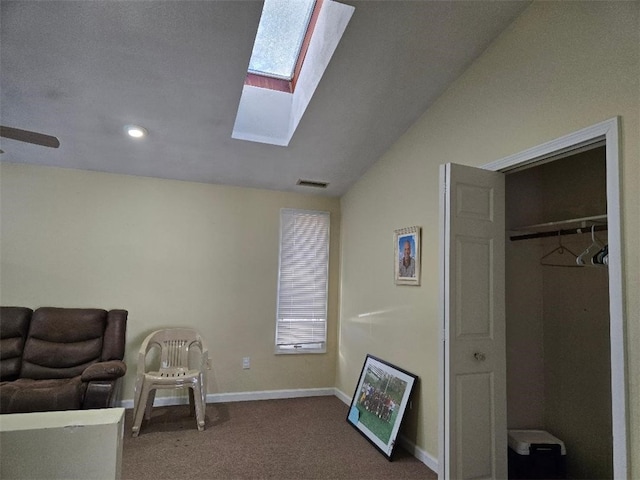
{"points": [[301, 323]]}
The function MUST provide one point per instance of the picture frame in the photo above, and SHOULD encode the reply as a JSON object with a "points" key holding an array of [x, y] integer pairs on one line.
{"points": [[379, 403], [407, 241]]}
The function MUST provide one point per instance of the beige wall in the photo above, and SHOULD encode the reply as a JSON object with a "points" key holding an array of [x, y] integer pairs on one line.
{"points": [[560, 67], [171, 253]]}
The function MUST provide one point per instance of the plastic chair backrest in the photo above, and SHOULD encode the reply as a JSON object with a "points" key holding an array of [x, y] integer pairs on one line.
{"points": [[175, 345]]}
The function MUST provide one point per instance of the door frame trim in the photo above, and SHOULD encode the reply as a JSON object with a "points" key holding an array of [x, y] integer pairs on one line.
{"points": [[609, 131]]}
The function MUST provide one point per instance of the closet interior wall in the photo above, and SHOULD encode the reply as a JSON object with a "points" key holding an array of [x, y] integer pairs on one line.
{"points": [[558, 344]]}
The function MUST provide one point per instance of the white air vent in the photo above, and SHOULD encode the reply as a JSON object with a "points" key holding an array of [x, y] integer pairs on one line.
{"points": [[312, 183]]}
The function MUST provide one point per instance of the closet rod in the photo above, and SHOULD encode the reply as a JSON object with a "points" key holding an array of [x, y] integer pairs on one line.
{"points": [[555, 233]]}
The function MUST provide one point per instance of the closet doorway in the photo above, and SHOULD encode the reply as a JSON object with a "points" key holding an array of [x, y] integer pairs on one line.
{"points": [[558, 350], [596, 151], [460, 452]]}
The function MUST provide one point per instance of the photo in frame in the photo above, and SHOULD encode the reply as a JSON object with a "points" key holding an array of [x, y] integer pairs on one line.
{"points": [[406, 243], [379, 403]]}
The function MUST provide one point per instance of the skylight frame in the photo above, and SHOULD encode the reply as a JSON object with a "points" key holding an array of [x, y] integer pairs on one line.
{"points": [[261, 79]]}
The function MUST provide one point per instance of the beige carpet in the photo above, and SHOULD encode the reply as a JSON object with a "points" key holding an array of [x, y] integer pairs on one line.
{"points": [[302, 438]]}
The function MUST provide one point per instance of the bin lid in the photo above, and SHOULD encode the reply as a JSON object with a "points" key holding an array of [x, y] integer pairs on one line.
{"points": [[521, 440]]}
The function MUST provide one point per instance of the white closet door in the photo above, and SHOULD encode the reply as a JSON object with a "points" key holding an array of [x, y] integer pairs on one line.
{"points": [[474, 435]]}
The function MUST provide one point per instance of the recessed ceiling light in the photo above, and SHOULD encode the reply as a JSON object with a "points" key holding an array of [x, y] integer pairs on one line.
{"points": [[135, 131]]}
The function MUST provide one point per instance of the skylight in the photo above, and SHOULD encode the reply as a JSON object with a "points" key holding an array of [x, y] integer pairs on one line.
{"points": [[281, 32], [276, 94]]}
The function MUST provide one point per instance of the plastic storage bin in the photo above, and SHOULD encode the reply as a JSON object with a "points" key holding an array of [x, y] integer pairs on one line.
{"points": [[536, 454]]}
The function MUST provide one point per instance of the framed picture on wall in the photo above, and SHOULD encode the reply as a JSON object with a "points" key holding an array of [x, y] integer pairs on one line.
{"points": [[379, 403], [406, 243]]}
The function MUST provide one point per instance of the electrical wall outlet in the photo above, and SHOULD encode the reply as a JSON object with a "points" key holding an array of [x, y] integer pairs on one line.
{"points": [[246, 363]]}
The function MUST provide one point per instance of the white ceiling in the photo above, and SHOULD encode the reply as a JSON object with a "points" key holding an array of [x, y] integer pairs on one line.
{"points": [[81, 70]]}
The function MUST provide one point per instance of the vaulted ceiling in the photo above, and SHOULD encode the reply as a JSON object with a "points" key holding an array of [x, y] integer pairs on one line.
{"points": [[81, 70]]}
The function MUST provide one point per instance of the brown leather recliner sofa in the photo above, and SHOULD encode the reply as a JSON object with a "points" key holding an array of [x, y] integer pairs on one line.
{"points": [[60, 358]]}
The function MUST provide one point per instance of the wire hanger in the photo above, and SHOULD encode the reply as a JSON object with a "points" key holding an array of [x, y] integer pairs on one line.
{"points": [[561, 250]]}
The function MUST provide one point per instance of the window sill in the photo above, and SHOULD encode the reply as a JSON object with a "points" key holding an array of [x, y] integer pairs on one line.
{"points": [[299, 351]]}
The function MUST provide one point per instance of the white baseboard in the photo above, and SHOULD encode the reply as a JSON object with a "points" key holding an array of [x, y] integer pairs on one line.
{"points": [[240, 396], [269, 395], [422, 455], [429, 460], [414, 450], [343, 396]]}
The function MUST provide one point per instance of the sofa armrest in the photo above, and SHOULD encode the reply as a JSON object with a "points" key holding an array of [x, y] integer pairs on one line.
{"points": [[102, 394], [104, 371]]}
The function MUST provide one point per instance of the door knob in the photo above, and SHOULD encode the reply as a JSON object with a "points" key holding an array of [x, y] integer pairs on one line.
{"points": [[479, 356]]}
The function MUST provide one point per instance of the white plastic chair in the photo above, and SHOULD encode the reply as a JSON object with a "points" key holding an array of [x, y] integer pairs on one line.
{"points": [[176, 348]]}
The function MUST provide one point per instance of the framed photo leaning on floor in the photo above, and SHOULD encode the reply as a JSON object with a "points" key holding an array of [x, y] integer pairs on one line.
{"points": [[379, 403]]}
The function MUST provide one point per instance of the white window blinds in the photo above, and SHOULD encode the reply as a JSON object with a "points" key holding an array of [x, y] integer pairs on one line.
{"points": [[303, 281]]}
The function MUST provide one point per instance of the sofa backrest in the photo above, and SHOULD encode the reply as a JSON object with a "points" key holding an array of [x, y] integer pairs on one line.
{"points": [[115, 337], [62, 342], [14, 326]]}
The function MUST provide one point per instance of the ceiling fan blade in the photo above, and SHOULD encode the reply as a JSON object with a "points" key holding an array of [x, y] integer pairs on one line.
{"points": [[29, 137]]}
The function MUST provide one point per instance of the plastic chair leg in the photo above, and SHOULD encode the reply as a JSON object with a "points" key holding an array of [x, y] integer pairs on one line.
{"points": [[139, 410], [192, 403], [149, 404], [200, 407]]}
